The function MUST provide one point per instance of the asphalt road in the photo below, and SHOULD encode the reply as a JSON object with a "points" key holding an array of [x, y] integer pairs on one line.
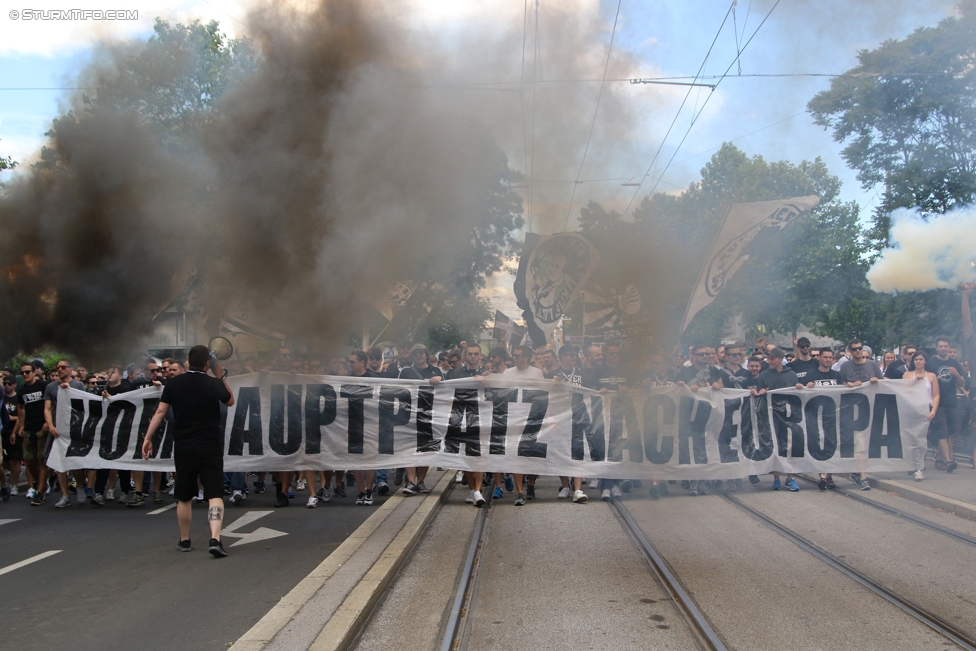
{"points": [[118, 581]]}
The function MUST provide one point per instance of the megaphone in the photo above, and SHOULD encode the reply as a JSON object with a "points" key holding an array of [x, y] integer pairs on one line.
{"points": [[220, 349]]}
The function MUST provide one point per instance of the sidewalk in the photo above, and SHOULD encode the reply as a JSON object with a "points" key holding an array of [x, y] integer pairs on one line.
{"points": [[953, 492]]}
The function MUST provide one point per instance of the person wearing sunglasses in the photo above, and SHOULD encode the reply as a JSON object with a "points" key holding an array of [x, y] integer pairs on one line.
{"points": [[31, 425], [13, 446], [858, 370], [804, 362]]}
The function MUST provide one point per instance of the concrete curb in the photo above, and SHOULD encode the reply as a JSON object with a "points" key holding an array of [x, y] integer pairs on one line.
{"points": [[343, 627], [268, 626], [957, 507]]}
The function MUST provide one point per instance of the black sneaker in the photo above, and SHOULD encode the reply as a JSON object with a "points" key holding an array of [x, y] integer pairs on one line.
{"points": [[38, 499], [281, 501], [183, 546], [663, 488], [258, 487], [5, 492], [382, 488], [530, 492], [654, 492], [217, 548], [340, 490], [368, 498], [626, 485], [753, 479], [398, 476], [520, 500], [822, 484], [830, 483], [685, 484]]}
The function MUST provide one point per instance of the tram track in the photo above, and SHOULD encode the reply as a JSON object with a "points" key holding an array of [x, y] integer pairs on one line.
{"points": [[701, 629], [458, 626], [928, 524], [962, 638]]}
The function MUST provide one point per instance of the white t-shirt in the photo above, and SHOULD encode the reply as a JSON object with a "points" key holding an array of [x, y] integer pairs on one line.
{"points": [[531, 372]]}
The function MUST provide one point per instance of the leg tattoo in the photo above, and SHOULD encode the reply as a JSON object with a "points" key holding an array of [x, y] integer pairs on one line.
{"points": [[215, 514]]}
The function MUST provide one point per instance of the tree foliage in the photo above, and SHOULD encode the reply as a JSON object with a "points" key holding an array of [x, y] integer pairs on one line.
{"points": [[7, 163], [907, 115], [172, 83]]}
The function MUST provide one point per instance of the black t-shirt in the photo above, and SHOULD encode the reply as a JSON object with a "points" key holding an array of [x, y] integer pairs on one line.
{"points": [[414, 373], [770, 379], [9, 410], [748, 381], [124, 387], [613, 379], [896, 371], [32, 399], [947, 381], [393, 370], [368, 373], [802, 367], [590, 378], [194, 398], [734, 380], [463, 372], [571, 376], [703, 378], [820, 378], [655, 381]]}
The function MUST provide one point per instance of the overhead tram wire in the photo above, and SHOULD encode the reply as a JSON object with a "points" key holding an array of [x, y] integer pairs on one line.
{"points": [[678, 113], [704, 104], [596, 110]]}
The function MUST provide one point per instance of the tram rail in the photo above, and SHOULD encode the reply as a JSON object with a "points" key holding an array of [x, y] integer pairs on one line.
{"points": [[961, 638], [928, 524]]}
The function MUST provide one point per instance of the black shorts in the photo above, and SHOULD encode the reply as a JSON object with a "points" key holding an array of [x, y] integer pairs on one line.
{"points": [[12, 451], [937, 429], [207, 465]]}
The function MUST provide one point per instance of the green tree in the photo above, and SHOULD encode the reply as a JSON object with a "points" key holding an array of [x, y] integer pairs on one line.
{"points": [[7, 163], [907, 115], [172, 84]]}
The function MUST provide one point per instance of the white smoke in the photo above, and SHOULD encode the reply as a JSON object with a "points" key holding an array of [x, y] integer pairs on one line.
{"points": [[937, 253]]}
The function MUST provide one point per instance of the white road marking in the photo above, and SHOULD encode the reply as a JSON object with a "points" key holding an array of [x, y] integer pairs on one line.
{"points": [[163, 510], [32, 559], [3, 522], [261, 533]]}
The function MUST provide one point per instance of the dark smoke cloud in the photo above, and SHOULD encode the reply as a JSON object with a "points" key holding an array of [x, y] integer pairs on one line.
{"points": [[335, 169]]}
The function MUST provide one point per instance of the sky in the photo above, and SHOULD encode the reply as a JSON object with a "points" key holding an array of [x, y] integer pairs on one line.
{"points": [[39, 60]]}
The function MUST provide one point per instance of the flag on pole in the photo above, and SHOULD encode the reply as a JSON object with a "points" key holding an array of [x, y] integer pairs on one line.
{"points": [[743, 223]]}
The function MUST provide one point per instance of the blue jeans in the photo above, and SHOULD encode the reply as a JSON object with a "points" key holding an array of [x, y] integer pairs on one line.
{"points": [[382, 476], [237, 480]]}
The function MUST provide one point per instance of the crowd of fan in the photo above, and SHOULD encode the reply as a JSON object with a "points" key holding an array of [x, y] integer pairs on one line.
{"points": [[30, 406]]}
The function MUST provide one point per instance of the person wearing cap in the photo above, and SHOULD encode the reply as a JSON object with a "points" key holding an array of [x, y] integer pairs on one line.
{"points": [[419, 369], [804, 362], [403, 360], [776, 376]]}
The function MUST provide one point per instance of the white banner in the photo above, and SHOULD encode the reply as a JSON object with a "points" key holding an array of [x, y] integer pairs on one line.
{"points": [[301, 422]]}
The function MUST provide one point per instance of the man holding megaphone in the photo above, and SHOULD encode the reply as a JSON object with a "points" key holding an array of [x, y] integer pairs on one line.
{"points": [[198, 449]]}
